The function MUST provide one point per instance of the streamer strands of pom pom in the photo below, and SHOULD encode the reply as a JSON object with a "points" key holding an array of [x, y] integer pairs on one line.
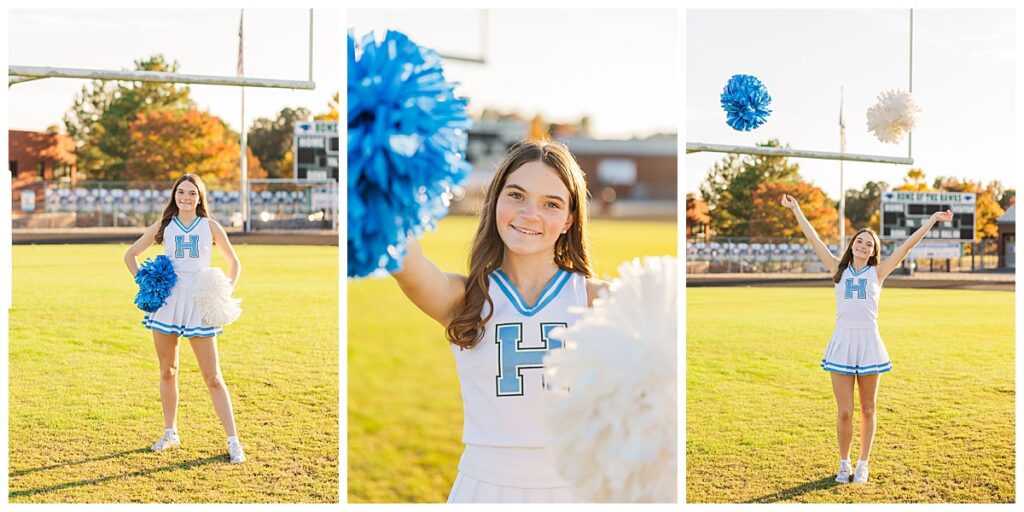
{"points": [[212, 293], [745, 101], [614, 431], [156, 279], [406, 148], [894, 116]]}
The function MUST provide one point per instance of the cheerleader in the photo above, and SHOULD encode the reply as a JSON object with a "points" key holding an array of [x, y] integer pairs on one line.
{"points": [[188, 235], [856, 353]]}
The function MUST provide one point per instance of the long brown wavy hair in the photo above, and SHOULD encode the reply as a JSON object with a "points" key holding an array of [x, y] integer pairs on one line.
{"points": [[848, 255], [172, 208], [572, 252]]}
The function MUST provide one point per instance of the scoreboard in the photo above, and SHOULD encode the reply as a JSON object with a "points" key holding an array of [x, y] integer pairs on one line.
{"points": [[904, 212], [315, 150]]}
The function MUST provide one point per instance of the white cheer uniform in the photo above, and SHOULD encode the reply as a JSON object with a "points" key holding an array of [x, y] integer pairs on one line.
{"points": [[189, 248], [506, 459], [856, 347]]}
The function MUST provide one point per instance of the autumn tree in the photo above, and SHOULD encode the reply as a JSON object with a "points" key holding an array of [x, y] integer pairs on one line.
{"points": [[167, 143], [100, 117], [696, 216], [729, 187], [332, 110], [914, 181], [770, 219]]}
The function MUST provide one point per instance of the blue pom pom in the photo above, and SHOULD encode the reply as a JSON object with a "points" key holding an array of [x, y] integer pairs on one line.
{"points": [[155, 278], [745, 101], [406, 148]]}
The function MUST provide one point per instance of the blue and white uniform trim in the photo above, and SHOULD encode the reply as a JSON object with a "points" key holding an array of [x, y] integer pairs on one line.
{"points": [[550, 291], [181, 330], [856, 370]]}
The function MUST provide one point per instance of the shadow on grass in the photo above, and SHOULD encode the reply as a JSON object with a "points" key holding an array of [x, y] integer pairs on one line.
{"points": [[132, 474], [83, 461], [793, 492]]}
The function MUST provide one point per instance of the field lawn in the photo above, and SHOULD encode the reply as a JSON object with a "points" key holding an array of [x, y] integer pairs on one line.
{"points": [[84, 396], [761, 416], [404, 407]]}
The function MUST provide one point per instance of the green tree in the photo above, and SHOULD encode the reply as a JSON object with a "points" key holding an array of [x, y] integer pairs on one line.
{"points": [[100, 117], [729, 186], [271, 140], [862, 206]]}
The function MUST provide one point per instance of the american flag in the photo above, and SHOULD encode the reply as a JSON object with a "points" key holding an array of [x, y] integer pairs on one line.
{"points": [[240, 71]]}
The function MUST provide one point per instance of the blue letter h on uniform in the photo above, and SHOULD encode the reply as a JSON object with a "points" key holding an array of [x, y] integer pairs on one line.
{"points": [[192, 245], [512, 359], [861, 288]]}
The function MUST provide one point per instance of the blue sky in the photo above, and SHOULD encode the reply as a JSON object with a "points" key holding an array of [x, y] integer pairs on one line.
{"points": [[963, 80], [203, 41]]}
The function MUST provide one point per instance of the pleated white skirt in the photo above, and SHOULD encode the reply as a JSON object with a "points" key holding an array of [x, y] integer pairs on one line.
{"points": [[467, 489], [179, 315], [856, 348], [490, 474]]}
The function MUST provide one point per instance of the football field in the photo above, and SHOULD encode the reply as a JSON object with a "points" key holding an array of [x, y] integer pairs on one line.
{"points": [[404, 410], [761, 415], [84, 403]]}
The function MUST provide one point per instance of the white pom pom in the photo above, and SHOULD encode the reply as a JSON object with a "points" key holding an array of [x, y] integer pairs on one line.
{"points": [[893, 116], [212, 293], [614, 430]]}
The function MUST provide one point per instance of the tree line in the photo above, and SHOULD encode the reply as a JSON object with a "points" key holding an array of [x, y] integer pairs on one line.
{"points": [[740, 198], [150, 131]]}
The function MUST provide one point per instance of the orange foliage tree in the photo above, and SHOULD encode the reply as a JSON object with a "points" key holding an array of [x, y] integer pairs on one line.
{"points": [[770, 219], [167, 143]]}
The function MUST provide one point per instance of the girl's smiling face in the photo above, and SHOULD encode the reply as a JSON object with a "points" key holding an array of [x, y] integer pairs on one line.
{"points": [[532, 209], [863, 246], [186, 197]]}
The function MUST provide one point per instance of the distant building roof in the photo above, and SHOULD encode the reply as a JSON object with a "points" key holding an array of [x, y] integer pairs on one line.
{"points": [[1008, 216], [653, 146]]}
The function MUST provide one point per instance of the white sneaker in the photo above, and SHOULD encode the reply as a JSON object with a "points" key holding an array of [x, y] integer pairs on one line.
{"points": [[235, 452], [861, 475], [843, 476], [168, 440]]}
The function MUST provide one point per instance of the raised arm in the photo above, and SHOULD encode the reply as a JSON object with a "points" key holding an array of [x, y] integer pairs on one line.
{"points": [[144, 242], [826, 257], [896, 258], [220, 239], [436, 293]]}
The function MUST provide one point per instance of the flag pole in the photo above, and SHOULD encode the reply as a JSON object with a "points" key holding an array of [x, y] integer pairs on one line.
{"points": [[243, 159]]}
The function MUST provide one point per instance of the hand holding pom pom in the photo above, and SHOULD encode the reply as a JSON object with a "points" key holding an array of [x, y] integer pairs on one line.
{"points": [[894, 116], [155, 278], [745, 101], [406, 148], [614, 431], [212, 293]]}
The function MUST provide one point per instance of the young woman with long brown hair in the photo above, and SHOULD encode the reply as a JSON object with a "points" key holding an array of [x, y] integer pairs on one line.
{"points": [[188, 234], [529, 272], [856, 353]]}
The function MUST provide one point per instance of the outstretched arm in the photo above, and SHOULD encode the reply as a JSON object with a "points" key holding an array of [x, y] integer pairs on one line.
{"points": [[826, 257], [436, 293], [896, 258]]}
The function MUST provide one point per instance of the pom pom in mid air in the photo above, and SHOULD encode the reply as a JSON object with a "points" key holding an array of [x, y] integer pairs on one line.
{"points": [[212, 294], [894, 116], [745, 101], [406, 148], [155, 278], [611, 402]]}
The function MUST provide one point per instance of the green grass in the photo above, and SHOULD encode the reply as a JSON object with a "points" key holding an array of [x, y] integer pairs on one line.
{"points": [[84, 396], [404, 407], [761, 416]]}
